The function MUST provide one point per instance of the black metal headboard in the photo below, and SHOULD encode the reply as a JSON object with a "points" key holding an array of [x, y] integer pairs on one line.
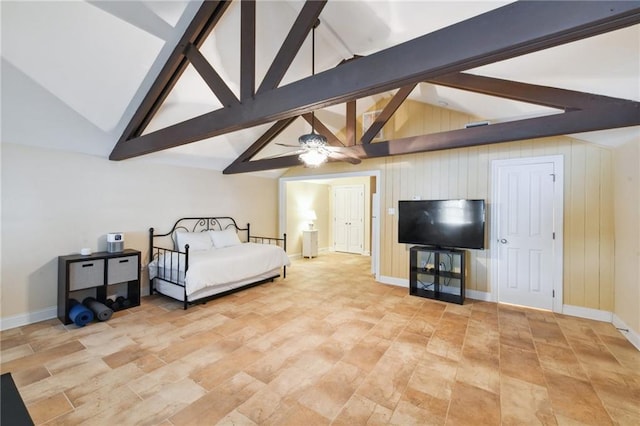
{"points": [[196, 224], [203, 224]]}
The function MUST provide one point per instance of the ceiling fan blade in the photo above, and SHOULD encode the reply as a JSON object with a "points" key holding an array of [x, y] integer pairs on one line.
{"points": [[283, 154], [345, 152], [341, 156], [288, 146], [341, 149]]}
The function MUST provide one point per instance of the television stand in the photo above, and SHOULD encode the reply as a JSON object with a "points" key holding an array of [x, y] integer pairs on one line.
{"points": [[437, 273]]}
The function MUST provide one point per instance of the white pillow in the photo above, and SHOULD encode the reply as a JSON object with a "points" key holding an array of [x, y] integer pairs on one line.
{"points": [[196, 241], [225, 238]]}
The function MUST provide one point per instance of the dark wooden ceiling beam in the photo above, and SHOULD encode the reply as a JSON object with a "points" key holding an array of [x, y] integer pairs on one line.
{"points": [[350, 128], [262, 141], [532, 26], [530, 93], [247, 49], [388, 111], [262, 165], [211, 77], [322, 129], [551, 125], [305, 21], [200, 27], [622, 114], [583, 112]]}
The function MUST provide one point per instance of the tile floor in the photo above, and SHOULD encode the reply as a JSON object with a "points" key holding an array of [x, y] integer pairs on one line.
{"points": [[327, 345]]}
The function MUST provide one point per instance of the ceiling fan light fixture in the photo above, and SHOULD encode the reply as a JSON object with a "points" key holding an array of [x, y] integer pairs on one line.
{"points": [[312, 140], [315, 147], [314, 144], [314, 157]]}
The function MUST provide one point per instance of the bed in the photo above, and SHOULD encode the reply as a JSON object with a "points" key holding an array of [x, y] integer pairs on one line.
{"points": [[201, 258]]}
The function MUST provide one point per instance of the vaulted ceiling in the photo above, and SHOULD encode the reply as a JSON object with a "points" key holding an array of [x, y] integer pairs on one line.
{"points": [[215, 84]]}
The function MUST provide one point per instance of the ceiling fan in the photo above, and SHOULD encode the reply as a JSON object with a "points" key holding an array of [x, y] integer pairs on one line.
{"points": [[314, 150], [313, 147]]}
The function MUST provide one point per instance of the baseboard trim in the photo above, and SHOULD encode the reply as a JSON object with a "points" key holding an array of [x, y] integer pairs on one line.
{"points": [[479, 295], [400, 282], [588, 313], [631, 335], [28, 318], [403, 282], [299, 255]]}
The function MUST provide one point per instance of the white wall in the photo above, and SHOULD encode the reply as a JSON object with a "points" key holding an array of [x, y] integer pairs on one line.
{"points": [[302, 197], [55, 202]]}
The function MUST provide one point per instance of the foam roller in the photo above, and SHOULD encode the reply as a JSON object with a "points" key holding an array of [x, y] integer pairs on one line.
{"points": [[102, 312], [79, 314]]}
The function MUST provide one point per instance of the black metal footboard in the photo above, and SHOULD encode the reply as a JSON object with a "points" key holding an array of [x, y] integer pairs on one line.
{"points": [[272, 240], [171, 266]]}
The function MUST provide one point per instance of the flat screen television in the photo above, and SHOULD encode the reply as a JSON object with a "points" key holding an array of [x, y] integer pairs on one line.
{"points": [[442, 223]]}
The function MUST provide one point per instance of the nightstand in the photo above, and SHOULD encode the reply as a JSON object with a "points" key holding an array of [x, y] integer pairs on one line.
{"points": [[310, 243]]}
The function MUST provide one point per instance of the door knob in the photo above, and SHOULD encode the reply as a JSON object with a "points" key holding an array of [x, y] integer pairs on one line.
{"points": [[503, 241]]}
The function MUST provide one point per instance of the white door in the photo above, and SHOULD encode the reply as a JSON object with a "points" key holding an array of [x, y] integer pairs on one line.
{"points": [[355, 219], [348, 225], [525, 235], [375, 207], [340, 219]]}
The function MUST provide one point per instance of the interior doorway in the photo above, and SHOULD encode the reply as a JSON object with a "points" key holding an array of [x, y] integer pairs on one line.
{"points": [[527, 231], [314, 194]]}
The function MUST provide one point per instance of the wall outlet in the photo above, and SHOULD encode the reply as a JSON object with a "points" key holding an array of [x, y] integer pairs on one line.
{"points": [[391, 211], [416, 198]]}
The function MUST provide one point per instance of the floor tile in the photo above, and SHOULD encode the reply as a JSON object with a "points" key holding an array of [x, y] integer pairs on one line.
{"points": [[520, 364], [417, 408], [472, 405], [560, 360], [576, 399], [326, 345], [49, 408], [362, 411], [435, 376], [386, 382], [524, 403], [332, 391]]}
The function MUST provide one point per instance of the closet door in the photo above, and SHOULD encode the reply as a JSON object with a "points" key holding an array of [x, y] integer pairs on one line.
{"points": [[348, 218]]}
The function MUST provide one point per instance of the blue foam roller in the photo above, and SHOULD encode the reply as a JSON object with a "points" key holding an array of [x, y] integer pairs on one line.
{"points": [[80, 314]]}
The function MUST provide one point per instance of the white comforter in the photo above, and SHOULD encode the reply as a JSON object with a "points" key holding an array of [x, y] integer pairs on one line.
{"points": [[217, 267]]}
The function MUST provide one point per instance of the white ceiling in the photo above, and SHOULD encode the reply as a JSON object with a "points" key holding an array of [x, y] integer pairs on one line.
{"points": [[97, 59]]}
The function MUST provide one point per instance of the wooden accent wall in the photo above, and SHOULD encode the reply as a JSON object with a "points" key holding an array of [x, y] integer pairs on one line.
{"points": [[466, 173]]}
